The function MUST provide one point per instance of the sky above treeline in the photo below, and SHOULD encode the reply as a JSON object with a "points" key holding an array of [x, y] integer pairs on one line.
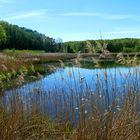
{"points": [[75, 19]]}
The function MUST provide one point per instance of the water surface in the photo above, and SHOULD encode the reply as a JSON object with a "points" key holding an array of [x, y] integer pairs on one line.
{"points": [[68, 87]]}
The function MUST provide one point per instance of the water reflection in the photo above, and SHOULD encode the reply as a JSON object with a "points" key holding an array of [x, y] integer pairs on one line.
{"points": [[69, 88]]}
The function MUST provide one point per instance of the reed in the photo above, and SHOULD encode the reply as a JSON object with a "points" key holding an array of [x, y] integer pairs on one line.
{"points": [[77, 113], [17, 71]]}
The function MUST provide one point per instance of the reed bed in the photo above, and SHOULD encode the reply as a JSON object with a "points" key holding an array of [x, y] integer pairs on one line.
{"points": [[9, 63], [77, 112], [15, 72]]}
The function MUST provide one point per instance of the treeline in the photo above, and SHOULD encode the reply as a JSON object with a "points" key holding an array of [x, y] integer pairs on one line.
{"points": [[124, 45], [114, 45], [15, 37]]}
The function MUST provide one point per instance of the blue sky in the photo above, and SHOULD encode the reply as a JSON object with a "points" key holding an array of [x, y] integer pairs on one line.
{"points": [[75, 19]]}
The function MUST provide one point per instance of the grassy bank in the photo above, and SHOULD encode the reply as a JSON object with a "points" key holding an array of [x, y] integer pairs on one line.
{"points": [[20, 64], [14, 72], [124, 124]]}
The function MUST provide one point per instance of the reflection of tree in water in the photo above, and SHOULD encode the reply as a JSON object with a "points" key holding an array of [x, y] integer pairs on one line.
{"points": [[89, 64]]}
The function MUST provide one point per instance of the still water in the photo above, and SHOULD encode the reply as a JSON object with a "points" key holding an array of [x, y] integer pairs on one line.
{"points": [[69, 86]]}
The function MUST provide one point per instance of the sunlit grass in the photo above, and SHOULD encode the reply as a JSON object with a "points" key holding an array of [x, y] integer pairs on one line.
{"points": [[52, 114], [78, 113], [14, 72], [20, 52]]}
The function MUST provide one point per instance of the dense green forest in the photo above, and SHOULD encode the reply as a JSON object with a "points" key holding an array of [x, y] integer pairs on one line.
{"points": [[15, 37], [114, 45], [20, 38]]}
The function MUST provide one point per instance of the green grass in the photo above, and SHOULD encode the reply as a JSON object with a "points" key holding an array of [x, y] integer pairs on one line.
{"points": [[20, 52], [14, 72]]}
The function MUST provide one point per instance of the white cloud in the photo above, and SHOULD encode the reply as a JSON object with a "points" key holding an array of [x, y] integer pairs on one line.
{"points": [[78, 14], [100, 15], [25, 15], [6, 1]]}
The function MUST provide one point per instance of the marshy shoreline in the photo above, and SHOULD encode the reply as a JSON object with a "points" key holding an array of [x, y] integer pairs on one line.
{"points": [[100, 115], [20, 66]]}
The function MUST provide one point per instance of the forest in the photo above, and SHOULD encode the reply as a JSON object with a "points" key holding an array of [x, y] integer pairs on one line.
{"points": [[113, 45], [21, 38]]}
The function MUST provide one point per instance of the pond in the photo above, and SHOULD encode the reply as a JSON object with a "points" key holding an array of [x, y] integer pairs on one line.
{"points": [[69, 91]]}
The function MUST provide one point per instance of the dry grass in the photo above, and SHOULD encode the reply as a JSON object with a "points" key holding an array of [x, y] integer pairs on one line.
{"points": [[9, 63], [16, 70], [51, 115]]}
